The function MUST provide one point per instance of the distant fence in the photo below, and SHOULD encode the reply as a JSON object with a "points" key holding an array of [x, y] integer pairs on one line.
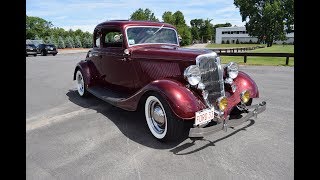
{"points": [[234, 50], [245, 54]]}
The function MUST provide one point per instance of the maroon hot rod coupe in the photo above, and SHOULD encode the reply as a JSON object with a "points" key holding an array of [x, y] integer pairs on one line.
{"points": [[140, 64]]}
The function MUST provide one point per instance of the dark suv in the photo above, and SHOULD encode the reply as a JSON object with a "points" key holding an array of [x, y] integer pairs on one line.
{"points": [[31, 49], [45, 49]]}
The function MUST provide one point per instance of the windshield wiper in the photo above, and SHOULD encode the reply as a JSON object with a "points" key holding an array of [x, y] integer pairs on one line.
{"points": [[158, 29]]}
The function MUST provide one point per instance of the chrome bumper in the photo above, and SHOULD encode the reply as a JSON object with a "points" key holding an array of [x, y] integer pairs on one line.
{"points": [[202, 131]]}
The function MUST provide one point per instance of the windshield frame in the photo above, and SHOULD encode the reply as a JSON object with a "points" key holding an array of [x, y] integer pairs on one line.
{"points": [[162, 27]]}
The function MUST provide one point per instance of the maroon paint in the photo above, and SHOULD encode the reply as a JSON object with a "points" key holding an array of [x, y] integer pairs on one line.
{"points": [[89, 71], [243, 82], [154, 68], [183, 102]]}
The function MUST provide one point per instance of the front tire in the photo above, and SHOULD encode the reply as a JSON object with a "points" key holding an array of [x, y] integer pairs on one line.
{"points": [[81, 84], [43, 53], [162, 123]]}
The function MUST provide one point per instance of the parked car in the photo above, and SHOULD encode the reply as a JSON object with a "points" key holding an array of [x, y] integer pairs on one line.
{"points": [[31, 49], [139, 64], [45, 49]]}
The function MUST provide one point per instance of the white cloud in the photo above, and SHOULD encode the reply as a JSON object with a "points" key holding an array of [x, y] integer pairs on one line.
{"points": [[230, 8], [86, 14]]}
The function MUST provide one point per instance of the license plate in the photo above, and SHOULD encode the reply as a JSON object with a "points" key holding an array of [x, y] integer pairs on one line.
{"points": [[204, 116]]}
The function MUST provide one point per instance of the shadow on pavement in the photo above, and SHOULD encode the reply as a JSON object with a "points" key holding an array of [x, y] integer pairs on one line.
{"points": [[131, 124]]}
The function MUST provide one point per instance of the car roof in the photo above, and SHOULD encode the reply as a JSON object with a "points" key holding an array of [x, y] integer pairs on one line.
{"points": [[124, 23]]}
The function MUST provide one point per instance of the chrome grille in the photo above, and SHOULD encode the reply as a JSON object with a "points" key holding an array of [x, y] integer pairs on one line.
{"points": [[211, 76]]}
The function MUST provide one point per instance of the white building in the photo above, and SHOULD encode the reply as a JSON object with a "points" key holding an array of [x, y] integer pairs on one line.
{"points": [[240, 33]]}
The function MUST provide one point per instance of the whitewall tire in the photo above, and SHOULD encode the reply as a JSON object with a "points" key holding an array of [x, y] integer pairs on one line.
{"points": [[161, 121], [80, 84]]}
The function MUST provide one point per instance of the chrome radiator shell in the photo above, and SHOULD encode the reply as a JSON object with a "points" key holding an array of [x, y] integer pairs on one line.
{"points": [[211, 77]]}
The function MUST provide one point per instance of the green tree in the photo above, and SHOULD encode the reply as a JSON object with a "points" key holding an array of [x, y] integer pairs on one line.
{"points": [[206, 30], [177, 19], [87, 42], [77, 42], [182, 28], [37, 26], [36, 37], [145, 14], [54, 40], [69, 42], [48, 40], [167, 17], [266, 19], [61, 44], [196, 25]]}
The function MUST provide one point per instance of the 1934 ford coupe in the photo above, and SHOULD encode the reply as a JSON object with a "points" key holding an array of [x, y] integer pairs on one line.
{"points": [[141, 64]]}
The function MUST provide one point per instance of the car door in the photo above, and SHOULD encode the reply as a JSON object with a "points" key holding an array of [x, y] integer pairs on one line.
{"points": [[118, 70], [95, 54]]}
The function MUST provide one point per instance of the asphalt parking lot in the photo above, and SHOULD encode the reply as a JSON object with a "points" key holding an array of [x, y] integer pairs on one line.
{"points": [[68, 137]]}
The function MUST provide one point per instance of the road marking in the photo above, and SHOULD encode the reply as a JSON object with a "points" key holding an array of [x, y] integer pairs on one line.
{"points": [[45, 121]]}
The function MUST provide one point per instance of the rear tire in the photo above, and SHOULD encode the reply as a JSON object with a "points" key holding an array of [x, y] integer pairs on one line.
{"points": [[162, 122], [34, 55]]}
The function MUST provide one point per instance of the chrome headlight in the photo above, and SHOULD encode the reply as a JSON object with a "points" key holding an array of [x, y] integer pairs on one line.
{"points": [[232, 70], [192, 74]]}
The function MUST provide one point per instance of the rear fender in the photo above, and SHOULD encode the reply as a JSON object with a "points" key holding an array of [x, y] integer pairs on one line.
{"points": [[89, 72]]}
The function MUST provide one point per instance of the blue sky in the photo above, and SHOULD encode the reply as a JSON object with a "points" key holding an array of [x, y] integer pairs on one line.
{"points": [[85, 15]]}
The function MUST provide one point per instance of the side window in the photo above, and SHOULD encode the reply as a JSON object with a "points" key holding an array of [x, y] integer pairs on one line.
{"points": [[97, 37], [112, 38], [97, 43]]}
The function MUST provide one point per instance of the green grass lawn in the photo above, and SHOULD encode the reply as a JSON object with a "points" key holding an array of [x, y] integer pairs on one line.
{"points": [[232, 45], [267, 61], [261, 61]]}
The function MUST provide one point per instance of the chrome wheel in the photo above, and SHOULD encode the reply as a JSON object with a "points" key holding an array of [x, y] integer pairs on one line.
{"points": [[80, 83], [156, 117]]}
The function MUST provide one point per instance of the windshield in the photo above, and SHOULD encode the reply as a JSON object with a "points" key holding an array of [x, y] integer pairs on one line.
{"points": [[151, 35], [50, 46], [30, 46]]}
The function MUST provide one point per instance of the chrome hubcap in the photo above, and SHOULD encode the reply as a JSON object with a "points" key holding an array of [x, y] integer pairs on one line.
{"points": [[158, 117], [80, 83]]}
